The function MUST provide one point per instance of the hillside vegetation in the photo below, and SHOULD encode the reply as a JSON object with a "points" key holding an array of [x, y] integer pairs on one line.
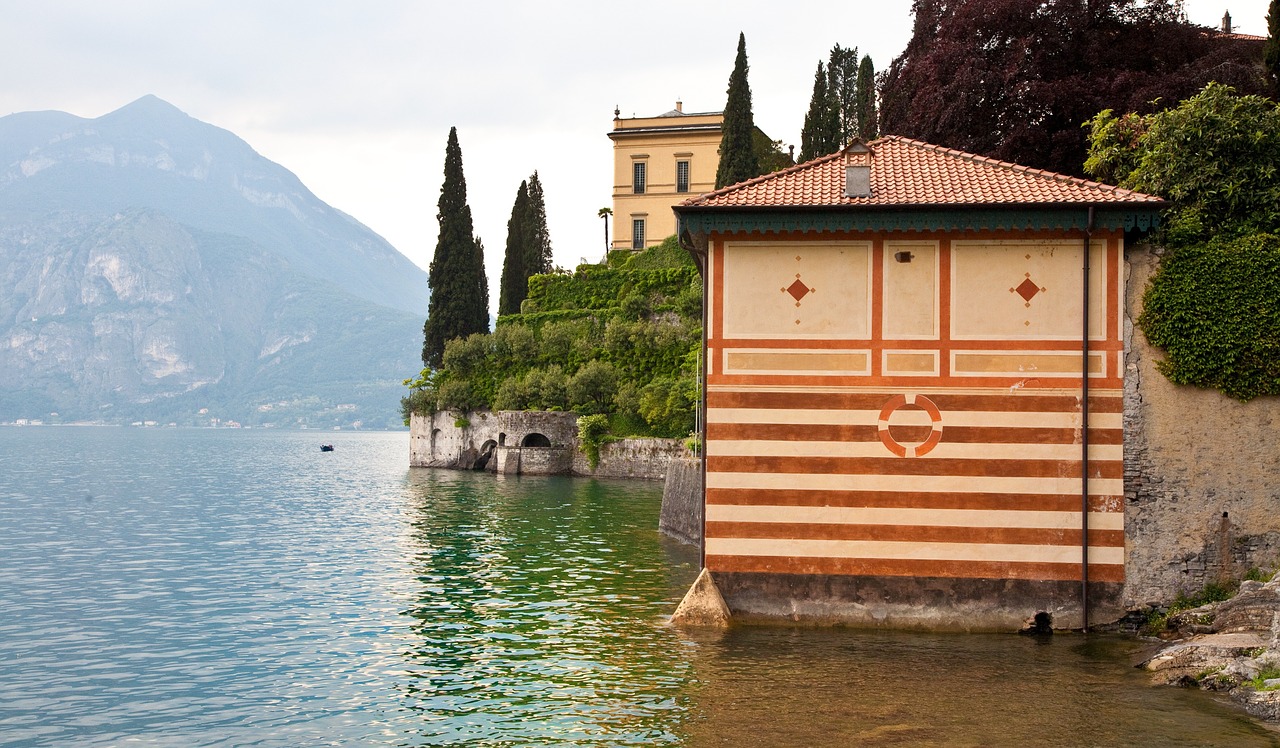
{"points": [[619, 340]]}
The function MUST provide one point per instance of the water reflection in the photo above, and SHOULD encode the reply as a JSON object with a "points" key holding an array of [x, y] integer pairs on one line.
{"points": [[539, 615], [539, 622], [814, 687]]}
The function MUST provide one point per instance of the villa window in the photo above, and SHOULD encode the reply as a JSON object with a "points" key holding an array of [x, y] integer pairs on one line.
{"points": [[637, 233], [682, 176], [638, 174]]}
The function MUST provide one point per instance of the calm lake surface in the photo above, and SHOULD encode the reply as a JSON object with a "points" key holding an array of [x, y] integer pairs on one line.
{"points": [[227, 588]]}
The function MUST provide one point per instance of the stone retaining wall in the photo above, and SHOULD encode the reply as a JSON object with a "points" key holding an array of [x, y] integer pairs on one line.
{"points": [[681, 516], [509, 442], [1202, 478]]}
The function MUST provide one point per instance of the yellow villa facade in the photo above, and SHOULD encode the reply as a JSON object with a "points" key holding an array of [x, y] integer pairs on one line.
{"points": [[659, 162]]}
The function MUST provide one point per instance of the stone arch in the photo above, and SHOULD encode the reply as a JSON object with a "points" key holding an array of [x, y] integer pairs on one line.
{"points": [[502, 439], [435, 436], [486, 453], [534, 439]]}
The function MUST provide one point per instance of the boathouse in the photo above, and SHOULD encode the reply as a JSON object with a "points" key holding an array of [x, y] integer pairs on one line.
{"points": [[913, 389]]}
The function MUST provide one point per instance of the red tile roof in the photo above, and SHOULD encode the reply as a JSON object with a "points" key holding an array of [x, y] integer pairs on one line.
{"points": [[910, 172]]}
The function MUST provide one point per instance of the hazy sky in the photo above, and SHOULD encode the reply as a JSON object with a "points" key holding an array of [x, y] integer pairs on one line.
{"points": [[357, 98]]}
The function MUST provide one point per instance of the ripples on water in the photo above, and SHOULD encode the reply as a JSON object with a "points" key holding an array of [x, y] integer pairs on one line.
{"points": [[177, 587]]}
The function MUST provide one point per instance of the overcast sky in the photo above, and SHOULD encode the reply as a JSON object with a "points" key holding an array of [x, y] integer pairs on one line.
{"points": [[357, 98]]}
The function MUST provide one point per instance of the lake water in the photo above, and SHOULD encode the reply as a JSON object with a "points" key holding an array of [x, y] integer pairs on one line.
{"points": [[227, 588]]}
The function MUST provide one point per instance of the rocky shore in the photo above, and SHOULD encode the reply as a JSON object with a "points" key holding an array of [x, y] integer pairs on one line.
{"points": [[1231, 646]]}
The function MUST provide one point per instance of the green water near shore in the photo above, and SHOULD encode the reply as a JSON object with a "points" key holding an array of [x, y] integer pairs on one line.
{"points": [[230, 588]]}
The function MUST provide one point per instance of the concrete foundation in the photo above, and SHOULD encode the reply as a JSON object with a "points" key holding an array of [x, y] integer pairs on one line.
{"points": [[922, 603]]}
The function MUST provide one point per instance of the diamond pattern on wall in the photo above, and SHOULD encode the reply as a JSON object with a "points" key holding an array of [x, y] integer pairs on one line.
{"points": [[798, 290]]}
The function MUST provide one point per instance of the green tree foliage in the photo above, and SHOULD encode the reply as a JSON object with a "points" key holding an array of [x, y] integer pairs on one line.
{"points": [[1016, 79], [842, 93], [515, 278], [537, 242], [1212, 304], [1215, 157], [528, 249], [816, 137], [843, 104], [737, 151], [602, 337], [459, 302], [769, 154], [868, 120], [1271, 51]]}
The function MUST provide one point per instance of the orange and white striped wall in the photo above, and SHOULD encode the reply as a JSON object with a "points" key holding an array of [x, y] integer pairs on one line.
{"points": [[894, 426]]}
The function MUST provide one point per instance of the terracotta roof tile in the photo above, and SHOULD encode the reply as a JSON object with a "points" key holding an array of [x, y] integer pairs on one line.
{"points": [[911, 172]]}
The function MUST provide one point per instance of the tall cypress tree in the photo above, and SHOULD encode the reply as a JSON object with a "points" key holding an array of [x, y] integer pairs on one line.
{"points": [[737, 156], [1271, 51], [868, 127], [537, 243], [515, 277], [815, 137], [842, 88], [459, 304]]}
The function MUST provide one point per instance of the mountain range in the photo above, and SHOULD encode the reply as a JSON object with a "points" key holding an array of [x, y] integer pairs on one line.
{"points": [[156, 268]]}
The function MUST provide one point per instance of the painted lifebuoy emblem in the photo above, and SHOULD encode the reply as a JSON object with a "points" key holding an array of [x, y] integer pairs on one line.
{"points": [[917, 450]]}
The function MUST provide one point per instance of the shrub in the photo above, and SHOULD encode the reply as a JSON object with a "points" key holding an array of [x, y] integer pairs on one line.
{"points": [[592, 389], [592, 431], [667, 404]]}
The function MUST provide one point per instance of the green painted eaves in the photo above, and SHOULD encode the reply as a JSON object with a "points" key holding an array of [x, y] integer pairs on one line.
{"points": [[1073, 218]]}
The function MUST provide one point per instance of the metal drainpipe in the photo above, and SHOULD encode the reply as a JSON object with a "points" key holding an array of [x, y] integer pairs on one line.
{"points": [[703, 261], [1084, 435]]}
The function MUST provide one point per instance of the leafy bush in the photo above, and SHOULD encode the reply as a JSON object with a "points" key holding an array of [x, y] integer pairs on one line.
{"points": [[1212, 303], [592, 431], [592, 388], [668, 405]]}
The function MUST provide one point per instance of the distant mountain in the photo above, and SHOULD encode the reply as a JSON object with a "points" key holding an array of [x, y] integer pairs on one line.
{"points": [[156, 268]]}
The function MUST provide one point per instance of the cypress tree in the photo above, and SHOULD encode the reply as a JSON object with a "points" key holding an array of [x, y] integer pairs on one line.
{"points": [[1271, 51], [813, 136], [515, 277], [537, 244], [737, 155], [459, 304], [867, 126], [842, 88]]}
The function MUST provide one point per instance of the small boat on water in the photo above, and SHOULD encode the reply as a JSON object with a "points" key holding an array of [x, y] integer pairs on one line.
{"points": [[326, 447]]}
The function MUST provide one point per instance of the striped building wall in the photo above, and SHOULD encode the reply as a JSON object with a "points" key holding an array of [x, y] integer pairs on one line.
{"points": [[893, 427]]}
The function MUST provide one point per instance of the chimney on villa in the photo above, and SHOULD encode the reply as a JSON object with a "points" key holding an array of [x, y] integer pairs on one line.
{"points": [[679, 106], [1226, 22], [857, 169]]}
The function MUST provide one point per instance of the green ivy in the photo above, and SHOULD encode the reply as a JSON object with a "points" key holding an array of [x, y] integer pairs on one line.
{"points": [[592, 431], [1214, 308]]}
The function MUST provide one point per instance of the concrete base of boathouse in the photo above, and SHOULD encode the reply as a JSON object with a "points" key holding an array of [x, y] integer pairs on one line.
{"points": [[913, 603]]}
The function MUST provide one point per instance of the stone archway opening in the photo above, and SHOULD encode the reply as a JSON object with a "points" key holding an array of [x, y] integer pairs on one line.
{"points": [[534, 439], [486, 453]]}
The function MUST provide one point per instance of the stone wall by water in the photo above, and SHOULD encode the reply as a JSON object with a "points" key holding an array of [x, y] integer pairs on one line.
{"points": [[446, 440], [632, 458], [531, 443], [681, 516], [1202, 480]]}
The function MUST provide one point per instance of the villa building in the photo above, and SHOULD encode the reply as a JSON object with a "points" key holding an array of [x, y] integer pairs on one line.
{"points": [[913, 396], [659, 162]]}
